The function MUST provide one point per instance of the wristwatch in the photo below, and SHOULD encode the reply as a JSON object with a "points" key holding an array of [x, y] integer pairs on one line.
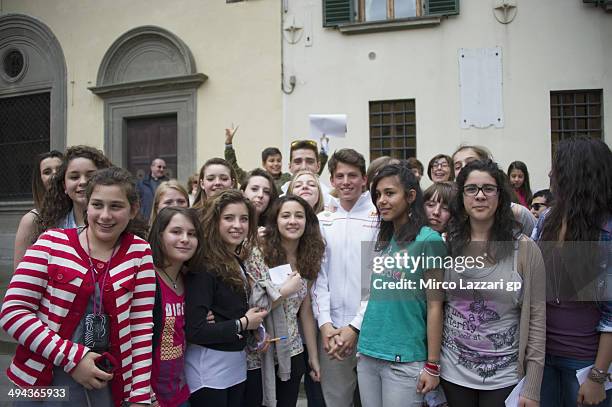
{"points": [[598, 376]]}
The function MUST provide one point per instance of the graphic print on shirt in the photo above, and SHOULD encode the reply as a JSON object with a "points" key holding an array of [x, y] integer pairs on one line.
{"points": [[168, 350], [171, 386], [477, 345]]}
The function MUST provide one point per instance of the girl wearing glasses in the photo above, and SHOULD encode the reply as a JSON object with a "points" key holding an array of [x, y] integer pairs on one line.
{"points": [[440, 168], [494, 313]]}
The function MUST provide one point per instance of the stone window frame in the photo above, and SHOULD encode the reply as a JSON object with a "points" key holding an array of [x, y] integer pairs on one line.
{"points": [[23, 29], [151, 97], [16, 31]]}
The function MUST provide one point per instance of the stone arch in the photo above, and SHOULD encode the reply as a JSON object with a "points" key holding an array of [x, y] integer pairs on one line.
{"points": [[44, 68], [149, 71], [145, 53]]}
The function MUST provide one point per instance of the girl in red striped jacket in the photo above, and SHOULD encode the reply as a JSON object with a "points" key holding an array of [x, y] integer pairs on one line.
{"points": [[80, 303]]}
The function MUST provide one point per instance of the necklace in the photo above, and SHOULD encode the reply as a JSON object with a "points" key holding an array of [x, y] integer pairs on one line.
{"points": [[170, 278], [94, 272]]}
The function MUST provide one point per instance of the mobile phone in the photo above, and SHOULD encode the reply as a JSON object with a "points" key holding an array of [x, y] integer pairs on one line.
{"points": [[106, 362]]}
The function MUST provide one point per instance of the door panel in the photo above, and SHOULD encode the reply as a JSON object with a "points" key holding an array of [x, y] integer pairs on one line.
{"points": [[148, 138]]}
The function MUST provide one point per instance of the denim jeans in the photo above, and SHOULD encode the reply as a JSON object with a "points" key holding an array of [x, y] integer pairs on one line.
{"points": [[559, 384], [384, 383]]}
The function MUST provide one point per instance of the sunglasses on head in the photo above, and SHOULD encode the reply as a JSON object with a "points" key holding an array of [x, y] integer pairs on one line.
{"points": [[309, 142], [537, 206]]}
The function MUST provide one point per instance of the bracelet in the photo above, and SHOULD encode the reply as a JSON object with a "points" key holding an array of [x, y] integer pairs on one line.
{"points": [[238, 326], [247, 323], [241, 327], [432, 366], [430, 373], [354, 329], [598, 376]]}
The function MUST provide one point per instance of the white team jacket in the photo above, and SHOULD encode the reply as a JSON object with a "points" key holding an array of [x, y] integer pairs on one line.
{"points": [[337, 293]]}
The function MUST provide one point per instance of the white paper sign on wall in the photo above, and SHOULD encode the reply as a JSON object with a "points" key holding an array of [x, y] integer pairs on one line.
{"points": [[480, 84]]}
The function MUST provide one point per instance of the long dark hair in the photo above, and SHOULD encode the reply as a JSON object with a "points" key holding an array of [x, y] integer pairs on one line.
{"points": [[201, 195], [311, 247], [56, 203], [502, 232], [161, 223], [581, 181], [525, 188], [126, 181], [217, 257], [258, 172], [38, 188], [416, 218]]}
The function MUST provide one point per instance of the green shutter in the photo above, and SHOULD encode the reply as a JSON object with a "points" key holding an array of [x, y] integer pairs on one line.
{"points": [[441, 7], [337, 12]]}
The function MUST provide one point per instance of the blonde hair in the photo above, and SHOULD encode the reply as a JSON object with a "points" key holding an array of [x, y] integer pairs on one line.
{"points": [[161, 190], [319, 206]]}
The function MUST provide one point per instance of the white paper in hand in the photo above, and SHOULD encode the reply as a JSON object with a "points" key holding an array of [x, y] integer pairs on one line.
{"points": [[583, 374], [280, 274], [328, 125], [513, 398]]}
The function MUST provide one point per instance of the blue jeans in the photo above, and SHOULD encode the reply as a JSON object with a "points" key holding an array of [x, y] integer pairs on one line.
{"points": [[559, 384]]}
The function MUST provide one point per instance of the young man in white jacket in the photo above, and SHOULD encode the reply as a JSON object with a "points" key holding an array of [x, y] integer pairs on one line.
{"points": [[337, 294]]}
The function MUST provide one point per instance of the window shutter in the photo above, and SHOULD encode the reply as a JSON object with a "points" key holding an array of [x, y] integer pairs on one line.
{"points": [[337, 12], [441, 7]]}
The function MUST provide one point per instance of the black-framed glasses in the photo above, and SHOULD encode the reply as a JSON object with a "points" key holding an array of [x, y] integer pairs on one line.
{"points": [[536, 206], [441, 164], [487, 189]]}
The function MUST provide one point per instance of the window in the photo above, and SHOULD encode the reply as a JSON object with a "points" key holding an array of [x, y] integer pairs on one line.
{"points": [[393, 129], [575, 112], [338, 12], [376, 10], [24, 133]]}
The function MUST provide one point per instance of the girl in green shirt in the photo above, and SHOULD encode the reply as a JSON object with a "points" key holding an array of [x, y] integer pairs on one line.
{"points": [[399, 342]]}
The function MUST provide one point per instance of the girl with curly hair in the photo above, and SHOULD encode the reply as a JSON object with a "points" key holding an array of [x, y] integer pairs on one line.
{"points": [[575, 241], [44, 169], [80, 303], [293, 237], [492, 337], [215, 361], [65, 202]]}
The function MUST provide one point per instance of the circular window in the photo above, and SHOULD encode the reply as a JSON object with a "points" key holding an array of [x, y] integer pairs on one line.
{"points": [[14, 65]]}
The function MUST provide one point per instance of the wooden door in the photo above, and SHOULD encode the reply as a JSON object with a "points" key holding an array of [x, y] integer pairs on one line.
{"points": [[148, 138]]}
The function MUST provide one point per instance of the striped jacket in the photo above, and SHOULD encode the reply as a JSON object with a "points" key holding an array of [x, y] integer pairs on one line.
{"points": [[48, 296]]}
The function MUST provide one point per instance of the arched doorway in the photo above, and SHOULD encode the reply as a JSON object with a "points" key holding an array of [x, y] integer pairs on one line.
{"points": [[148, 81]]}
